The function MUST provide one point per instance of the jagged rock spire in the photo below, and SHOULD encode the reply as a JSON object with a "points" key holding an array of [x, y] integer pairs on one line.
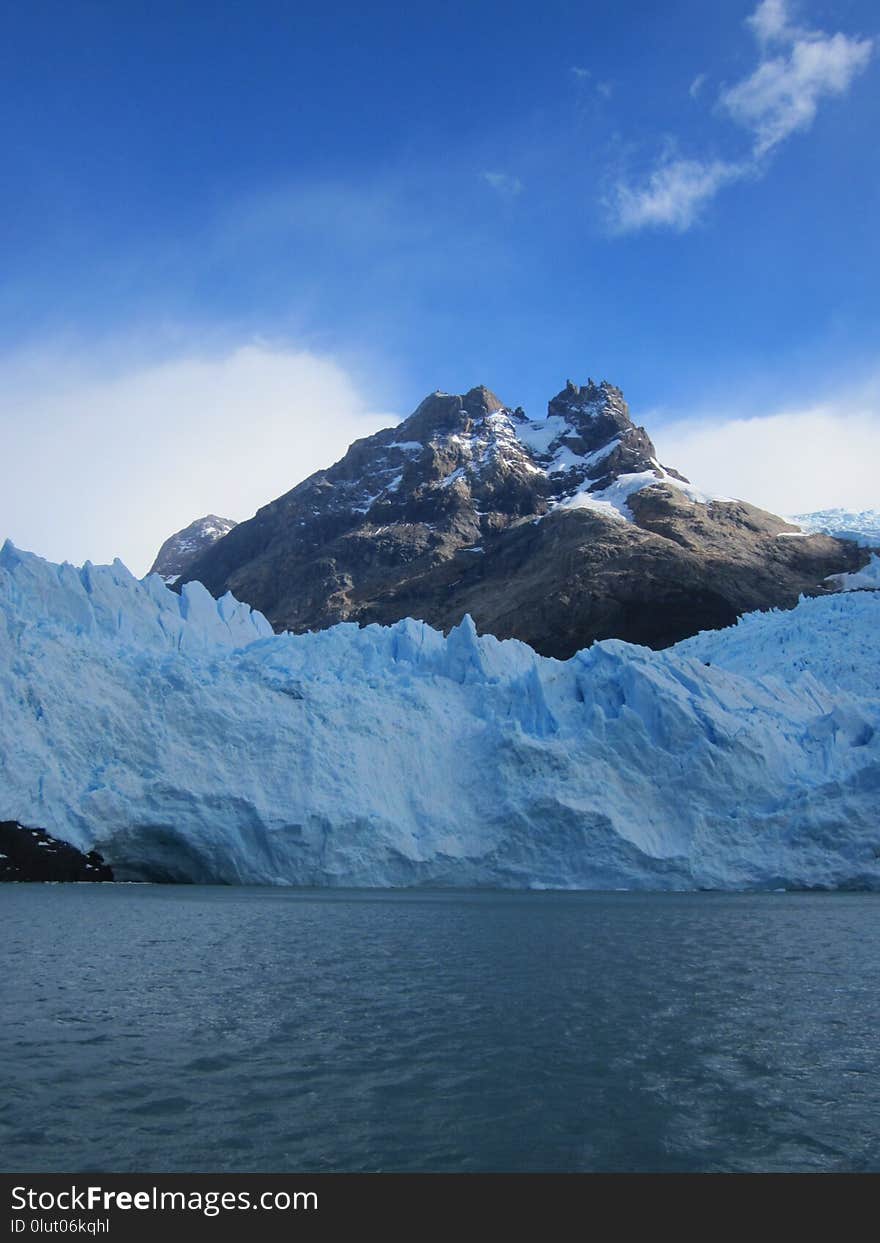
{"points": [[445, 412]]}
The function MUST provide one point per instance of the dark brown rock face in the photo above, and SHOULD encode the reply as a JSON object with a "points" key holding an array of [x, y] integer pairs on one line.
{"points": [[34, 855], [181, 549], [556, 531]]}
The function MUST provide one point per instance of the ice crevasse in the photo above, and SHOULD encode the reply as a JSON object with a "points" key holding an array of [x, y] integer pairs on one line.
{"points": [[186, 741]]}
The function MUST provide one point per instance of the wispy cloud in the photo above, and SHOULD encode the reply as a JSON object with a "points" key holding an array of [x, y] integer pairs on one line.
{"points": [[783, 93], [673, 194], [585, 79], [504, 183], [797, 68]]}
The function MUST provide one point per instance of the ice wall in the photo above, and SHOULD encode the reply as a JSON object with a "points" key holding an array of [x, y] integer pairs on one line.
{"points": [[186, 741]]}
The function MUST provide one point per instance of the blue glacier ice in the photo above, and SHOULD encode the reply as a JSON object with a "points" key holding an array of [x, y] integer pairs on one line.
{"points": [[183, 739]]}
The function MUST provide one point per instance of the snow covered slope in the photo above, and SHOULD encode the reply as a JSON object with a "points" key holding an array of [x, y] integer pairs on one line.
{"points": [[185, 741]]}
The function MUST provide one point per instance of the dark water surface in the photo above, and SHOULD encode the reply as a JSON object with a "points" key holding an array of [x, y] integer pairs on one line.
{"points": [[188, 1028]]}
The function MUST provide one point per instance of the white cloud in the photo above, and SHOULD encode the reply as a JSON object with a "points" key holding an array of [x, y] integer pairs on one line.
{"points": [[98, 466], [504, 183], [672, 195], [783, 93], [770, 20], [697, 85], [793, 461], [580, 72], [780, 97]]}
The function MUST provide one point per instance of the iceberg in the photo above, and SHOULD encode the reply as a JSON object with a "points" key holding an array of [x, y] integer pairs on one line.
{"points": [[184, 740]]}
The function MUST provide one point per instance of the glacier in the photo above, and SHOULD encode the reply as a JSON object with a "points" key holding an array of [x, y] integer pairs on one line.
{"points": [[184, 740], [867, 578], [863, 526]]}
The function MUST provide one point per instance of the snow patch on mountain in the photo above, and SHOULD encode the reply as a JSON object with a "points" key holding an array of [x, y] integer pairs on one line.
{"points": [[185, 741], [495, 440], [612, 500], [547, 447]]}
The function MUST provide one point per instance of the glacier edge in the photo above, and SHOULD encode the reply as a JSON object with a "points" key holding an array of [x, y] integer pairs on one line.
{"points": [[184, 740]]}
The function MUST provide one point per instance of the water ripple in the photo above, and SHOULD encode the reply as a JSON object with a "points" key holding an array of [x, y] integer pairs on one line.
{"points": [[246, 1029]]}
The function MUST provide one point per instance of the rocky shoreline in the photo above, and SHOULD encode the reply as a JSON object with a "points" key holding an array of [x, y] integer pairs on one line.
{"points": [[28, 854]]}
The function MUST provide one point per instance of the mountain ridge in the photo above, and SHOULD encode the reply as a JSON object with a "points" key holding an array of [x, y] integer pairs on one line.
{"points": [[557, 531]]}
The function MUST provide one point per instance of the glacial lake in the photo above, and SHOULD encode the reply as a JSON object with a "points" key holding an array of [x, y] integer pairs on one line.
{"points": [[163, 1028]]}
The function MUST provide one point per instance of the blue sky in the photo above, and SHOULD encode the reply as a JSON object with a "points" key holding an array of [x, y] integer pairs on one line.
{"points": [[252, 200]]}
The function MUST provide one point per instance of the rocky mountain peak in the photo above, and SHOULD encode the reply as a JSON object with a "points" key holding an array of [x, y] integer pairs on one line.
{"points": [[594, 415], [583, 401], [588, 442], [442, 413], [556, 530], [181, 549]]}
